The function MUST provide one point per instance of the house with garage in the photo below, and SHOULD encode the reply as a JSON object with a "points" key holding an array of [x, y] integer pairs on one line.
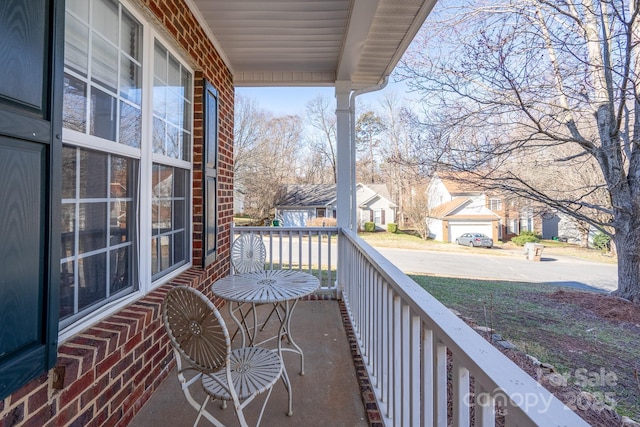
{"points": [[297, 204], [456, 207]]}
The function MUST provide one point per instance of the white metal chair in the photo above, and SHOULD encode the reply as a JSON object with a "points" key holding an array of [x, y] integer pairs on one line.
{"points": [[200, 338], [248, 255]]}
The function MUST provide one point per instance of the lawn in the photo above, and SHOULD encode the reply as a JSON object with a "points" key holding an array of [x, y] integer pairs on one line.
{"points": [[592, 340]]}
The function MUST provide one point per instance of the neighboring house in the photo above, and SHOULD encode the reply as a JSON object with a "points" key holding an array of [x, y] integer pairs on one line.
{"points": [[455, 209], [375, 205], [298, 203]]}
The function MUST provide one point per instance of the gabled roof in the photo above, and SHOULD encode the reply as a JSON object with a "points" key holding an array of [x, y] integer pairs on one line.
{"points": [[311, 42], [445, 209], [459, 183], [378, 191], [306, 195]]}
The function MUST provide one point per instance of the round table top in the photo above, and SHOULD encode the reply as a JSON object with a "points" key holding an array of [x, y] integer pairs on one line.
{"points": [[267, 286]]}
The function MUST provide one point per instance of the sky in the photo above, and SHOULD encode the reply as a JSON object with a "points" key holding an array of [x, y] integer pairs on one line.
{"points": [[293, 100]]}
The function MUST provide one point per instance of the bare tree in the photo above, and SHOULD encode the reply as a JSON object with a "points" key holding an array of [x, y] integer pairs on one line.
{"points": [[524, 77], [321, 117], [266, 149], [369, 127]]}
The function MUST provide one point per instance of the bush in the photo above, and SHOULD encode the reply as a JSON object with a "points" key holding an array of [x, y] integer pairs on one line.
{"points": [[369, 227], [525, 237], [392, 227], [322, 221], [601, 241]]}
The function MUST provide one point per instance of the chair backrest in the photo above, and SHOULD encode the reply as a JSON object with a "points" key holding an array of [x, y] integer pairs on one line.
{"points": [[196, 329], [248, 254]]}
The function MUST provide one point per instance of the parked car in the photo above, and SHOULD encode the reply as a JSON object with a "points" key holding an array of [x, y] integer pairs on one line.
{"points": [[475, 239]]}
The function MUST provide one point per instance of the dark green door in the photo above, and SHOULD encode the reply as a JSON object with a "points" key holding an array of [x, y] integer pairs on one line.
{"points": [[30, 145]]}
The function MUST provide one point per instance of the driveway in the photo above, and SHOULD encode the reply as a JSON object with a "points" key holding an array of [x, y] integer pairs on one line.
{"points": [[553, 269]]}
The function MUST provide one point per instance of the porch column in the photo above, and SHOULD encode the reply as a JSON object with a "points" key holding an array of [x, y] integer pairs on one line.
{"points": [[345, 161], [344, 187]]}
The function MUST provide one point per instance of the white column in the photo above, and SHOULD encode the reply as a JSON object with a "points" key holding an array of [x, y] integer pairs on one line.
{"points": [[345, 162]]}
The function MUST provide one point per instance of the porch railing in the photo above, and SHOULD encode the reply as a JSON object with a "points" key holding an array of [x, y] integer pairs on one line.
{"points": [[421, 357], [310, 249]]}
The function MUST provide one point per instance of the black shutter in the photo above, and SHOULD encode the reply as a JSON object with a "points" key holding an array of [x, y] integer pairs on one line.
{"points": [[31, 42], [382, 220], [210, 173]]}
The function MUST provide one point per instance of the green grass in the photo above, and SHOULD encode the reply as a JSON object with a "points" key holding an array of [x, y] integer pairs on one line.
{"points": [[562, 334]]}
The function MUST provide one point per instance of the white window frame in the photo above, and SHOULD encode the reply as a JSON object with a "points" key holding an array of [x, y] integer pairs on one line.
{"points": [[145, 285], [497, 202]]}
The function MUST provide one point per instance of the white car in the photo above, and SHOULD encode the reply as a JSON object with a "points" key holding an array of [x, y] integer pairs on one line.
{"points": [[475, 239]]}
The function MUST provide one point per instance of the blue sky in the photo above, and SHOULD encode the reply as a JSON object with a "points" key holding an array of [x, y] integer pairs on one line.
{"points": [[293, 100]]}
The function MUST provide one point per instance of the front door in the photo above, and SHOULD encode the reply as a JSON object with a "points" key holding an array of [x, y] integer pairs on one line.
{"points": [[30, 146]]}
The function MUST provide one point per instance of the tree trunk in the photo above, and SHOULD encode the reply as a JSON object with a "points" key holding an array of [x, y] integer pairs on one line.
{"points": [[628, 248]]}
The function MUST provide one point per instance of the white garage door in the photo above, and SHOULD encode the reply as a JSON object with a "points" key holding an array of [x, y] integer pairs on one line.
{"points": [[456, 229], [294, 218]]}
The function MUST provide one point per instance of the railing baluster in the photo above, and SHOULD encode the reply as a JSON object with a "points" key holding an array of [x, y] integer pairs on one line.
{"points": [[460, 394], [440, 384], [485, 412], [428, 379]]}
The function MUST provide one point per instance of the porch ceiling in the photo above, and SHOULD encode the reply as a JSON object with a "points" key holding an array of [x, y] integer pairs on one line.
{"points": [[311, 42]]}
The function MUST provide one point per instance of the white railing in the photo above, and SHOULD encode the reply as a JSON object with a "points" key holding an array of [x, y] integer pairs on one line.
{"points": [[310, 249], [411, 344]]}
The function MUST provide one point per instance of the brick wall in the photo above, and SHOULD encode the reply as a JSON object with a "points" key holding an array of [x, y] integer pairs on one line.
{"points": [[105, 374]]}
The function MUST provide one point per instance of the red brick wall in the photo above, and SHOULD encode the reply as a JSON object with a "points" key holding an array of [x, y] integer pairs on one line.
{"points": [[106, 373]]}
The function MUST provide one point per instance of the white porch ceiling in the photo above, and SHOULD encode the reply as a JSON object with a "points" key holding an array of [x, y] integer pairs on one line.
{"points": [[311, 42]]}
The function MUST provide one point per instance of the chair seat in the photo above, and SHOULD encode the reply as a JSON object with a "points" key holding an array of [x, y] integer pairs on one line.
{"points": [[253, 370]]}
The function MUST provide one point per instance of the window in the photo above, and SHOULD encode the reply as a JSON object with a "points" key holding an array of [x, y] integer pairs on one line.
{"points": [[495, 204], [127, 117], [97, 228], [377, 216]]}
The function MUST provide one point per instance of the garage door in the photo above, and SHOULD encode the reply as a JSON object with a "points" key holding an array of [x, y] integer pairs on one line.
{"points": [[456, 229], [295, 218]]}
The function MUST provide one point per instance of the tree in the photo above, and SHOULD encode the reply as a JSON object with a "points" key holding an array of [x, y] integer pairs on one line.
{"points": [[540, 85], [368, 127], [321, 117], [266, 150]]}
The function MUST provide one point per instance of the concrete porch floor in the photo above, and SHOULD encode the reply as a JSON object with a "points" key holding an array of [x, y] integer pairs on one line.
{"points": [[328, 394]]}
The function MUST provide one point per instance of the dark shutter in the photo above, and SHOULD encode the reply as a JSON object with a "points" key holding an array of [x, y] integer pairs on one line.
{"points": [[382, 220], [370, 215], [210, 164], [31, 40]]}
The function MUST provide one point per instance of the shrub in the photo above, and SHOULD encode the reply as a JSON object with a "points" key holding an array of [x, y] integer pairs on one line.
{"points": [[369, 227], [321, 222], [525, 237], [392, 227], [601, 241]]}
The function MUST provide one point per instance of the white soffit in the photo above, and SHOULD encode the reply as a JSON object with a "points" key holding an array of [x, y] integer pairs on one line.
{"points": [[311, 42]]}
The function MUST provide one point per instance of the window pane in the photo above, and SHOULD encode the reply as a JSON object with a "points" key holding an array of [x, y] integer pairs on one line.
{"points": [[160, 64], [67, 286], [103, 115], [130, 125], [119, 226], [174, 80], [119, 269], [92, 226], [92, 280], [74, 109], [179, 247], [186, 146], [173, 142], [165, 252], [67, 230], [76, 45], [79, 7], [180, 185], [131, 36], [158, 136], [121, 175], [68, 173], [164, 216], [104, 63], [179, 214], [130, 80], [105, 19], [93, 174]]}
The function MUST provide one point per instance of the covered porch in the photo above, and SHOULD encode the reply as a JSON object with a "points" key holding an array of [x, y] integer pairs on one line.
{"points": [[379, 351]]}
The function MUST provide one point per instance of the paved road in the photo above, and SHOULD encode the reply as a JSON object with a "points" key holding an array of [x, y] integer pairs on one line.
{"points": [[555, 269]]}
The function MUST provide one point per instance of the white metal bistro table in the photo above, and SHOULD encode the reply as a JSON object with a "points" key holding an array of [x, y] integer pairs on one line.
{"points": [[283, 289]]}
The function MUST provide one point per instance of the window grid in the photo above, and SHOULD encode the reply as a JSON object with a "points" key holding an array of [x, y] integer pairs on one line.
{"points": [[76, 255]]}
